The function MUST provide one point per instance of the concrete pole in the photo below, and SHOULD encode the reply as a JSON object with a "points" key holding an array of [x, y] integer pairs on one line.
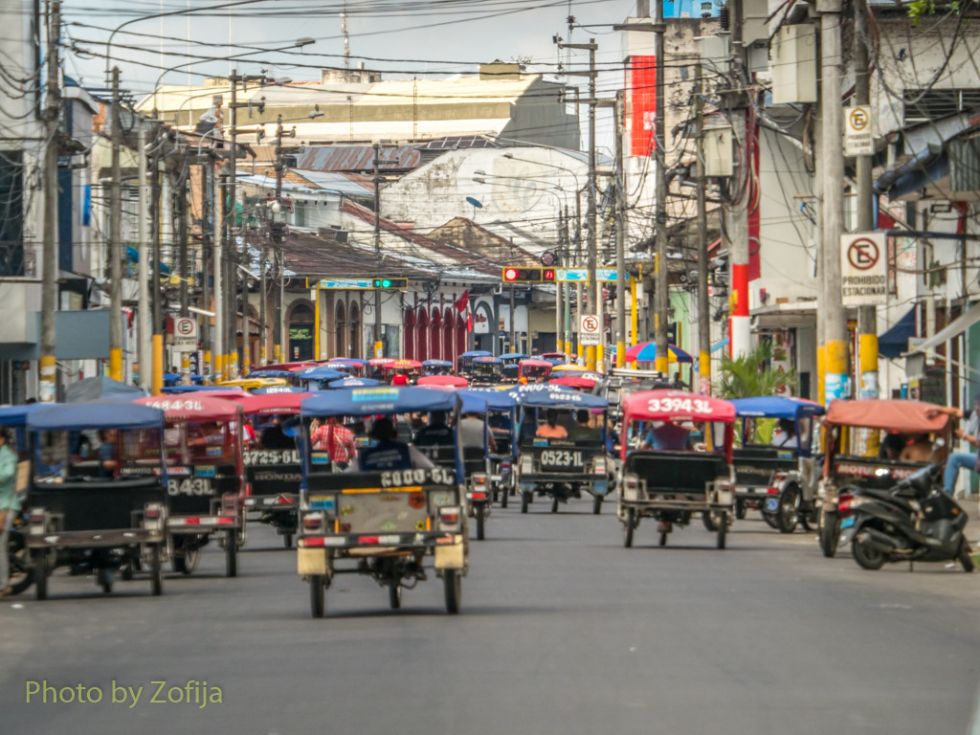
{"points": [[558, 305], [832, 212], [115, 244], [737, 223], [49, 259], [867, 315], [145, 319], [704, 308], [156, 384], [621, 274], [229, 200], [661, 296], [590, 353], [378, 344], [220, 332]]}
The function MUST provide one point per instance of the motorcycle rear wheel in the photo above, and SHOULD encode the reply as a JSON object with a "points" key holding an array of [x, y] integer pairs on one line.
{"points": [[965, 558], [866, 556]]}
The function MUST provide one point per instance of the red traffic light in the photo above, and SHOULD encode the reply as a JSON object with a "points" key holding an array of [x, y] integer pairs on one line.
{"points": [[548, 275], [514, 274], [511, 274]]}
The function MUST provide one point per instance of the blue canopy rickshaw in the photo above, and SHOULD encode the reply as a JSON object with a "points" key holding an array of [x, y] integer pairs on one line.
{"points": [[511, 364], [777, 474], [500, 409], [15, 417], [353, 366], [353, 383], [384, 522], [178, 389], [562, 452], [436, 367], [317, 378], [465, 360], [97, 513]]}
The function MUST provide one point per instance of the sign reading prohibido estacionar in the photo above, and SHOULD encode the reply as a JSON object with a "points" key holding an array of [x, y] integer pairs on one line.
{"points": [[864, 269]]}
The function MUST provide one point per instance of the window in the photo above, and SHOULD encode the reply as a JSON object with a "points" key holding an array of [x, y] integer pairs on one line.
{"points": [[938, 103], [11, 213]]}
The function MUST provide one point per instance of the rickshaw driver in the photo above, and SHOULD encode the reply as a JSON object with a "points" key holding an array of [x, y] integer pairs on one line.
{"points": [[387, 453], [666, 435], [583, 430], [551, 429], [436, 433], [784, 435], [471, 433]]}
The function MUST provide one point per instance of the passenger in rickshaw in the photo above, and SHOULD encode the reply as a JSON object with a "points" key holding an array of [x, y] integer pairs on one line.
{"points": [[436, 433], [892, 447], [551, 429], [583, 430], [784, 435], [335, 439], [667, 436], [274, 437], [108, 451], [471, 433], [387, 453]]}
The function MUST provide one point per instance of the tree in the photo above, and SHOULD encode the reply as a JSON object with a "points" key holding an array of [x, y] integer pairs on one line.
{"points": [[751, 375]]}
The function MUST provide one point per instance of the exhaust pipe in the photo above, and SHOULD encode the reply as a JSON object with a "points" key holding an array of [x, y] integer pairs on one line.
{"points": [[880, 541]]}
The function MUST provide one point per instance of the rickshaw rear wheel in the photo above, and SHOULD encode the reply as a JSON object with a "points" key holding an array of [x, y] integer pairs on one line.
{"points": [[712, 519], [394, 596], [628, 527], [554, 504], [156, 571], [964, 557], [287, 540], [722, 529], [829, 533], [663, 538], [789, 510], [318, 595], [810, 520], [739, 510], [104, 578], [126, 570], [481, 519], [186, 561], [596, 504], [503, 497], [231, 554], [453, 582], [40, 559], [524, 502]]}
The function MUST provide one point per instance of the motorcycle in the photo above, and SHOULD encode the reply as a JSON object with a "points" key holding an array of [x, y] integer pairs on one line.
{"points": [[21, 569], [912, 521]]}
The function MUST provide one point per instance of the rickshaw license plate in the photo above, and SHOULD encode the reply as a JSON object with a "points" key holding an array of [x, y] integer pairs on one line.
{"points": [[561, 458], [772, 504], [847, 523]]}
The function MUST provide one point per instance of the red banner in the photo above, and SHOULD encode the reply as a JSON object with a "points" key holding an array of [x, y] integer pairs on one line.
{"points": [[641, 103]]}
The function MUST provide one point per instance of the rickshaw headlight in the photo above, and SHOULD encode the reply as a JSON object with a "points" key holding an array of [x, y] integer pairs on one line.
{"points": [[450, 518], [313, 522]]}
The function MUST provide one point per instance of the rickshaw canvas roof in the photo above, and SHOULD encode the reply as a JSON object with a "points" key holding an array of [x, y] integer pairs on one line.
{"points": [[450, 381], [269, 373], [481, 401], [905, 417], [561, 398], [381, 361], [405, 365], [175, 389], [436, 363], [201, 407], [16, 416], [356, 361], [381, 400], [577, 382], [513, 356], [671, 405], [320, 372], [353, 383], [100, 388], [477, 353], [95, 415], [487, 360], [776, 407], [274, 403], [535, 362]]}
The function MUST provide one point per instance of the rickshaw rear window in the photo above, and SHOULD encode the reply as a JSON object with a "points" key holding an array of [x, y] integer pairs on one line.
{"points": [[80, 456]]}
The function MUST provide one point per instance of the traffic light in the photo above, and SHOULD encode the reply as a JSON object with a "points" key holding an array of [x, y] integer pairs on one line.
{"points": [[520, 274], [390, 283]]}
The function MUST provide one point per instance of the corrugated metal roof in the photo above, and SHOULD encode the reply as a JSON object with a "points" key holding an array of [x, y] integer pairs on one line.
{"points": [[345, 184], [357, 158]]}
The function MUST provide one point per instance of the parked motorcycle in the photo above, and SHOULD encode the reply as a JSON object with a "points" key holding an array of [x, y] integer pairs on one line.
{"points": [[21, 569], [911, 521]]}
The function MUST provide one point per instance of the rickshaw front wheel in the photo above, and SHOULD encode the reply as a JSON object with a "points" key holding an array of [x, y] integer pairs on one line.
{"points": [[318, 595], [503, 497], [453, 582], [40, 574], [394, 596], [628, 527], [554, 504], [596, 504], [481, 519], [156, 571], [231, 554], [722, 529], [287, 540], [829, 533], [524, 502]]}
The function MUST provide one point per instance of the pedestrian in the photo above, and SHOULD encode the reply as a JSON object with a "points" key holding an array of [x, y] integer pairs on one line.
{"points": [[9, 505], [971, 435]]}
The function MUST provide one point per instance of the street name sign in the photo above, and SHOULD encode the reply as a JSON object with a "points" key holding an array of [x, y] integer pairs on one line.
{"points": [[581, 275], [347, 284]]}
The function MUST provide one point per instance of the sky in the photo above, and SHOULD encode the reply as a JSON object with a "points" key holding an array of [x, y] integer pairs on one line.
{"points": [[420, 35]]}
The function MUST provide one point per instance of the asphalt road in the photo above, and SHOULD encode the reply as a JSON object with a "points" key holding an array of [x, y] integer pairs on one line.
{"points": [[562, 631]]}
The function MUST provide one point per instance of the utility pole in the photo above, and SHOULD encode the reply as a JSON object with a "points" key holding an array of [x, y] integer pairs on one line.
{"points": [[661, 297], [155, 294], [592, 243], [145, 318], [378, 345], [867, 315], [621, 275], [183, 258], [49, 264], [832, 211], [559, 310], [737, 212], [220, 334], [704, 323], [246, 263], [115, 240]]}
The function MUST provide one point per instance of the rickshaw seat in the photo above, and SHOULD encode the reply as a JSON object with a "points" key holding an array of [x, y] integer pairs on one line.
{"points": [[676, 471]]}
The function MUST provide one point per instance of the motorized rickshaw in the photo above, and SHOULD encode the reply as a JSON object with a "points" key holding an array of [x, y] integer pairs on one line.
{"points": [[465, 360], [777, 477], [205, 476], [443, 381], [14, 418], [353, 366], [485, 370], [389, 513], [353, 383], [376, 367], [847, 464], [620, 382], [411, 369], [436, 367], [575, 382], [511, 365], [555, 358], [562, 446], [534, 371], [272, 462], [500, 409], [662, 476], [97, 500], [217, 391], [317, 377]]}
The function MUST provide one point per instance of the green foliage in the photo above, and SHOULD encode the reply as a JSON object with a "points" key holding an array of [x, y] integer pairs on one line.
{"points": [[917, 9], [752, 375]]}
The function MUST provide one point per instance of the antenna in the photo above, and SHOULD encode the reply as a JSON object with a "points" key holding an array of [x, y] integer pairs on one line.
{"points": [[345, 32]]}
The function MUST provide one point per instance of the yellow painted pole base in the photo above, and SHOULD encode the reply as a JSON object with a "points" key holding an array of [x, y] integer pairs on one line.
{"points": [[662, 365], [116, 363], [704, 372], [590, 358], [621, 354], [49, 379], [156, 369]]}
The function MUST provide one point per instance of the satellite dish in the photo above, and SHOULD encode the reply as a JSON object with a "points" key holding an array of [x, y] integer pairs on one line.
{"points": [[474, 202]]}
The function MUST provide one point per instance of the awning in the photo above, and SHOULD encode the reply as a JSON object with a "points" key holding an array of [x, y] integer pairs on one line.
{"points": [[964, 321], [894, 342]]}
